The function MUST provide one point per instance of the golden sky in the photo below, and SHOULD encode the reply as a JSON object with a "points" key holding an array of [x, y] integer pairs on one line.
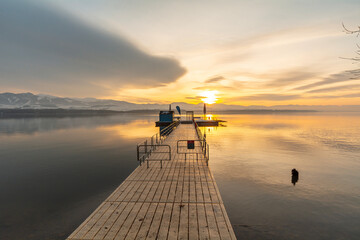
{"points": [[236, 52]]}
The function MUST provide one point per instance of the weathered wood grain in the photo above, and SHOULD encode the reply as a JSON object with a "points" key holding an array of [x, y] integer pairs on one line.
{"points": [[178, 201]]}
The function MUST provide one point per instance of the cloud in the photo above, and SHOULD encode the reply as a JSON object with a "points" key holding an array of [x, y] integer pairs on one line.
{"points": [[289, 78], [42, 47], [213, 88], [351, 95], [333, 78], [337, 88], [214, 79], [269, 97], [195, 98], [215, 84], [284, 78], [284, 97]]}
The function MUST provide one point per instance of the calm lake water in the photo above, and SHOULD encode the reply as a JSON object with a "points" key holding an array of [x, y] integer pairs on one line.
{"points": [[55, 171]]}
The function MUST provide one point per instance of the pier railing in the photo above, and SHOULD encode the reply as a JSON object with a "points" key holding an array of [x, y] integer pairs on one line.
{"points": [[204, 144], [145, 149], [167, 130]]}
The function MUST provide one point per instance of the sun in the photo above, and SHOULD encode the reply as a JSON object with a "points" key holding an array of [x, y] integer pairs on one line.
{"points": [[209, 97]]}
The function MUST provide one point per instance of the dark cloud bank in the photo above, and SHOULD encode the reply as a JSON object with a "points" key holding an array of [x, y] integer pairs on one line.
{"points": [[42, 47]]}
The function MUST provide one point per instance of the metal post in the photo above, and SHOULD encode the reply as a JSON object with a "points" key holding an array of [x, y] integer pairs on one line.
{"points": [[208, 157], [208, 151], [146, 146], [137, 154], [205, 146]]}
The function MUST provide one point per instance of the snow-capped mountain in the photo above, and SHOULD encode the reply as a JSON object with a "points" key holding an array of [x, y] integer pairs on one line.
{"points": [[31, 101], [41, 101]]}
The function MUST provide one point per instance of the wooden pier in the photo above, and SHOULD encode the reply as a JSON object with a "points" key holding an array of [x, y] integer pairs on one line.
{"points": [[179, 200]]}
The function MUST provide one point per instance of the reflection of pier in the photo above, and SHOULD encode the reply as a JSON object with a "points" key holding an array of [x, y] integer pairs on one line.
{"points": [[171, 195]]}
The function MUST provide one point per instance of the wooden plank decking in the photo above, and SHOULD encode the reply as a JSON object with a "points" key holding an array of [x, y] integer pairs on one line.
{"points": [[179, 201]]}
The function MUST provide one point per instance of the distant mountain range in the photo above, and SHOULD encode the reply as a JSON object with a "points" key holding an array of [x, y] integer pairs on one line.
{"points": [[32, 101]]}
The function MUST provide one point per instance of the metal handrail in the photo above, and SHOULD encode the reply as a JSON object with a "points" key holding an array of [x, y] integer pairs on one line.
{"points": [[167, 130], [204, 149], [179, 141], [146, 155], [154, 142], [198, 131], [199, 134], [204, 145]]}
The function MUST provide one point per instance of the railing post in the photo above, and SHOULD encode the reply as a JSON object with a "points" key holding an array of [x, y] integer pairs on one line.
{"points": [[205, 146], [137, 154], [208, 156], [155, 141], [146, 146]]}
